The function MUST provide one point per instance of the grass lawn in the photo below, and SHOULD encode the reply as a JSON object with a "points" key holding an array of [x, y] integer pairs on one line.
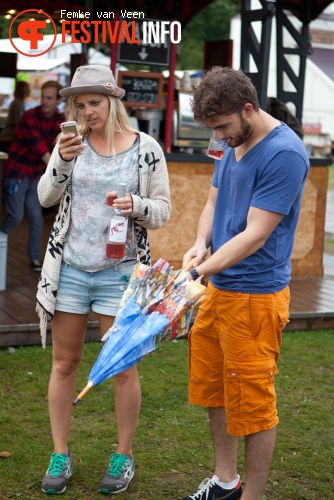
{"points": [[172, 445], [329, 246]]}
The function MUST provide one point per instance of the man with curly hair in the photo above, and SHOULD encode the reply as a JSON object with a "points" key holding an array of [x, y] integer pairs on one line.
{"points": [[248, 224]]}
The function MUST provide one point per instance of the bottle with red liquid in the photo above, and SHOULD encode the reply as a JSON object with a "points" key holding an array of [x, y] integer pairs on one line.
{"points": [[117, 228]]}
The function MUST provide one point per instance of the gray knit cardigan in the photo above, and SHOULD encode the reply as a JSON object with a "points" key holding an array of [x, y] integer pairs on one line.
{"points": [[151, 210]]}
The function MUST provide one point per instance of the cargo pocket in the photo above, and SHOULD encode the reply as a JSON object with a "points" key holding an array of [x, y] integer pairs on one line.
{"points": [[282, 319], [249, 388], [282, 305]]}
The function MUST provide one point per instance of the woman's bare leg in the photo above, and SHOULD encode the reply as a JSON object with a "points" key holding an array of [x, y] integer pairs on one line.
{"points": [[127, 400], [68, 335]]}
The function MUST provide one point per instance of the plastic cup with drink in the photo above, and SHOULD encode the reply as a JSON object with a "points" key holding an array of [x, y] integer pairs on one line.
{"points": [[217, 145], [110, 200]]}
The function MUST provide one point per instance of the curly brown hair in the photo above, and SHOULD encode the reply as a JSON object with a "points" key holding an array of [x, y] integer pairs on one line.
{"points": [[223, 91]]}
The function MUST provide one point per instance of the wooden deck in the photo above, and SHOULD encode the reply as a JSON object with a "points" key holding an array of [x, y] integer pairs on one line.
{"points": [[312, 299]]}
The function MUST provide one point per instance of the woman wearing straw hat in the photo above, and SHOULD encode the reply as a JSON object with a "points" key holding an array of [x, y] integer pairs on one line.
{"points": [[77, 276]]}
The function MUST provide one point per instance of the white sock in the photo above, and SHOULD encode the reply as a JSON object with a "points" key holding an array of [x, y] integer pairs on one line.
{"points": [[226, 486]]}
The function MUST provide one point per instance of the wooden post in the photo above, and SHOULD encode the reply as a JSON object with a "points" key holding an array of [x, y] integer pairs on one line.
{"points": [[170, 99]]}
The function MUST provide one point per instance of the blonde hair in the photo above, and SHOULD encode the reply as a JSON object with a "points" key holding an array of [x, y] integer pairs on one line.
{"points": [[118, 120]]}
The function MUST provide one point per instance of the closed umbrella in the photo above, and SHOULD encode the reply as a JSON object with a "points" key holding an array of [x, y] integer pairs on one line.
{"points": [[145, 282], [144, 330]]}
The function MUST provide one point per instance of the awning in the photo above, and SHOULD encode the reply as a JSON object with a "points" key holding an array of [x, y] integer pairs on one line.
{"points": [[39, 64], [324, 59], [183, 10]]}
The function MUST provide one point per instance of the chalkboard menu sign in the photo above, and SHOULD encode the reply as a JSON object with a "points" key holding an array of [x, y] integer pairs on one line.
{"points": [[143, 89]]}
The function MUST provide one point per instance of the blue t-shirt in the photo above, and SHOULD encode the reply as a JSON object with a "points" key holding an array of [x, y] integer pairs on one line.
{"points": [[271, 176]]}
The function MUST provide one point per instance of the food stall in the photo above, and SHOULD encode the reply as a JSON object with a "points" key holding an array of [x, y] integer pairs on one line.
{"points": [[190, 174], [190, 179]]}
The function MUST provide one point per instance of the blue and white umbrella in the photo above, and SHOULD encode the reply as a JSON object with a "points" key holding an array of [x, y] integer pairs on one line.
{"points": [[142, 327]]}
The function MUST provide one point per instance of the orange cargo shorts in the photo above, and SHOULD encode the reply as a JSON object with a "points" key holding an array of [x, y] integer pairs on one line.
{"points": [[233, 348]]}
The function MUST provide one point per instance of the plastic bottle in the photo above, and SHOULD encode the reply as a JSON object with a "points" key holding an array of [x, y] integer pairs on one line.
{"points": [[117, 229]]}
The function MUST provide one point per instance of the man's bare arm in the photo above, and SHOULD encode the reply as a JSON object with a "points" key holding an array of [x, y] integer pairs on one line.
{"points": [[260, 224], [199, 250]]}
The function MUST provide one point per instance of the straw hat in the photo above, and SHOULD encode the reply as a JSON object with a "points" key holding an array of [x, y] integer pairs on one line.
{"points": [[95, 79]]}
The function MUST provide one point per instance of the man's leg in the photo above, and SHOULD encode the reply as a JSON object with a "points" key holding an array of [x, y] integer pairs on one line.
{"points": [[259, 452], [35, 216], [14, 199], [251, 327], [206, 385], [225, 446], [206, 388]]}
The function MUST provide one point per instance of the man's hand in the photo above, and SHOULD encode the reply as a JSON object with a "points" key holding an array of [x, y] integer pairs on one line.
{"points": [[197, 253]]}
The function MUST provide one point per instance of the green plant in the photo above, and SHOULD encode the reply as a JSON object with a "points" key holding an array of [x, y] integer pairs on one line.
{"points": [[329, 244]]}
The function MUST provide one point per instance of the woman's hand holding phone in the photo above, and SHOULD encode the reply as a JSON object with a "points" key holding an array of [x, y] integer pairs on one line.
{"points": [[70, 142]]}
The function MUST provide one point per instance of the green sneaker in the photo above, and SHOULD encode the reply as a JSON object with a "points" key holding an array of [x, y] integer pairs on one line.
{"points": [[60, 469], [121, 471]]}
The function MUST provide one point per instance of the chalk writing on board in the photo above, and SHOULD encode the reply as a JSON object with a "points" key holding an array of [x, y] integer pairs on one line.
{"points": [[139, 97], [142, 89]]}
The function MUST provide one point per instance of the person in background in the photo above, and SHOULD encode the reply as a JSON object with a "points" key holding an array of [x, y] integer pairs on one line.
{"points": [[248, 222], [28, 156], [280, 111], [16, 110], [77, 276]]}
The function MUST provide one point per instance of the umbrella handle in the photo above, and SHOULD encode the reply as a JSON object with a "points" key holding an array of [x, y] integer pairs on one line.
{"points": [[189, 265], [185, 269], [83, 393]]}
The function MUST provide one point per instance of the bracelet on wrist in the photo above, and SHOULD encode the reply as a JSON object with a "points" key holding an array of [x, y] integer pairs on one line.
{"points": [[64, 158], [194, 274]]}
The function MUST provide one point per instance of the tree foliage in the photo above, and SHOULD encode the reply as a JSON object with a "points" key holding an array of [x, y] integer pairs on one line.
{"points": [[4, 25], [211, 23]]}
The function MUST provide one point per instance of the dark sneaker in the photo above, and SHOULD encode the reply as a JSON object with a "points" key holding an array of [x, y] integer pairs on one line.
{"points": [[121, 471], [36, 265], [210, 490], [60, 469]]}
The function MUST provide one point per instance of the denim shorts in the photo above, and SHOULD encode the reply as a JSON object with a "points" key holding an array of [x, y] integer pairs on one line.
{"points": [[100, 291]]}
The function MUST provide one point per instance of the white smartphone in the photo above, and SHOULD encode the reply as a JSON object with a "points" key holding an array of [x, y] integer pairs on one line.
{"points": [[69, 128]]}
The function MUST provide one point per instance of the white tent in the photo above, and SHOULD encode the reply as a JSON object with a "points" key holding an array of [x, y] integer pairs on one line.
{"points": [[56, 60], [318, 106]]}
